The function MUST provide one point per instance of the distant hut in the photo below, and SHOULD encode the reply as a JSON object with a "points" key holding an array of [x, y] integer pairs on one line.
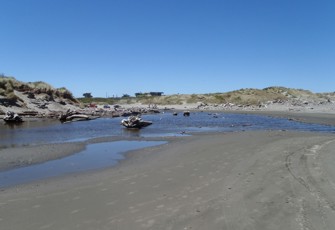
{"points": [[152, 94], [156, 94]]}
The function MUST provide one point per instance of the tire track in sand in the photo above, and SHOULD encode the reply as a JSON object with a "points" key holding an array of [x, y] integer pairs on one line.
{"points": [[317, 206]]}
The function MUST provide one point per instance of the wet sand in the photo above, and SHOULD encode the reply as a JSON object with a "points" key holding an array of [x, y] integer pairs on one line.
{"points": [[24, 156], [310, 117], [245, 180]]}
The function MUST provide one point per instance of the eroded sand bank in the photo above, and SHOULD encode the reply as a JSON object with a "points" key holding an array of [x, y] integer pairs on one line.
{"points": [[246, 180]]}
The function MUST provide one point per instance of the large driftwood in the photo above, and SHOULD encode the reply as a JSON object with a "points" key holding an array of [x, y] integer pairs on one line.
{"points": [[77, 116], [70, 116], [135, 122], [12, 117]]}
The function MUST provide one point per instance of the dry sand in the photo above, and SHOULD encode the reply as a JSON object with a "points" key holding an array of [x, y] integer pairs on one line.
{"points": [[247, 180]]}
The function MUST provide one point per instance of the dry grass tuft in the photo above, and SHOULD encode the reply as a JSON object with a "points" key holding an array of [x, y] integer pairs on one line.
{"points": [[8, 85]]}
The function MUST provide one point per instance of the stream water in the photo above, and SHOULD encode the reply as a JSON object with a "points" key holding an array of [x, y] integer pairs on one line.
{"points": [[164, 124], [108, 154]]}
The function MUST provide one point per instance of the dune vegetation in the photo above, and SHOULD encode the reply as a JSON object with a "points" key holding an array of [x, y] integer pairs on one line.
{"points": [[8, 86], [246, 96]]}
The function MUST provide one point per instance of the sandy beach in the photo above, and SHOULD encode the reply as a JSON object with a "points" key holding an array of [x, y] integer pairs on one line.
{"points": [[241, 180], [167, 115]]}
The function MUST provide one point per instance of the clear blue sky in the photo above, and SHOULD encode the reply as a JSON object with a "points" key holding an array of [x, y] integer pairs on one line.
{"points": [[113, 47]]}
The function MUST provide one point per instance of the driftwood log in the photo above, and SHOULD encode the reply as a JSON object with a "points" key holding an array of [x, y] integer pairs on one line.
{"points": [[135, 122], [70, 116], [12, 117]]}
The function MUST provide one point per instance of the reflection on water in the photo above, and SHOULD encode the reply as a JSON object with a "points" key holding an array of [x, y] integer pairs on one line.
{"points": [[95, 156], [164, 124]]}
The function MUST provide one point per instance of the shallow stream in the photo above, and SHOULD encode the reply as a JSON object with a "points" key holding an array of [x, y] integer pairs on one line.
{"points": [[164, 124], [107, 154]]}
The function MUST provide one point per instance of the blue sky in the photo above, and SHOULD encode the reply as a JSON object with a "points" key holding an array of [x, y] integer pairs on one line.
{"points": [[114, 47]]}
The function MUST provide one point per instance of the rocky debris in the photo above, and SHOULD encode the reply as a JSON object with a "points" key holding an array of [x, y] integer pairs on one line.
{"points": [[119, 111], [292, 104], [186, 113]]}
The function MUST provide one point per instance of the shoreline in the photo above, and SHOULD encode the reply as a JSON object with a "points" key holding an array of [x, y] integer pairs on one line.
{"points": [[21, 156], [319, 114]]}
